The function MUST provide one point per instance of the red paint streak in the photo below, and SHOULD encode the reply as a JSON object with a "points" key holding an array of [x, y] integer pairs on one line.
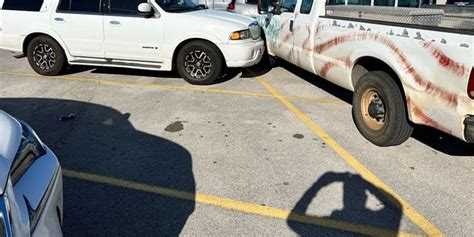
{"points": [[425, 119], [289, 36], [306, 41], [457, 68], [283, 25], [451, 99], [319, 29], [346, 62]]}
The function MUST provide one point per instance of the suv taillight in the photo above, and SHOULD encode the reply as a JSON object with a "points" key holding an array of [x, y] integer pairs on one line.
{"points": [[470, 85], [231, 6]]}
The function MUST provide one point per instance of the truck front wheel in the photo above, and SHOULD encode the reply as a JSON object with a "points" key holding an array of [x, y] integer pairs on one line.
{"points": [[46, 56], [379, 110], [199, 63]]}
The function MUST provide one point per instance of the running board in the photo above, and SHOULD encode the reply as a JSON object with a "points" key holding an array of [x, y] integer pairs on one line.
{"points": [[113, 63]]}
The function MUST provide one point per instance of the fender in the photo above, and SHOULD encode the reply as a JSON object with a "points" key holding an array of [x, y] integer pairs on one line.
{"points": [[193, 36], [47, 31]]}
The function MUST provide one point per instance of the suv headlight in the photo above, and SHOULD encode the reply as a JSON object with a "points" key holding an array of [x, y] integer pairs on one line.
{"points": [[240, 35]]}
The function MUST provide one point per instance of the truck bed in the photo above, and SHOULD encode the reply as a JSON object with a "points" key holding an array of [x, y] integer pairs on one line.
{"points": [[439, 19]]}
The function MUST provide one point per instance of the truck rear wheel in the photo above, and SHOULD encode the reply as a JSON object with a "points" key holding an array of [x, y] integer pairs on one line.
{"points": [[46, 56], [199, 63], [379, 110]]}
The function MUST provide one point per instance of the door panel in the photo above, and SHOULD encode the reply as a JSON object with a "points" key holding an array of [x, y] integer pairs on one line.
{"points": [[284, 41], [303, 39], [79, 23], [133, 38]]}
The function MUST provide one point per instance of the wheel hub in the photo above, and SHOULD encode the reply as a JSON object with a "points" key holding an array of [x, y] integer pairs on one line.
{"points": [[198, 64], [376, 109], [44, 56], [373, 109]]}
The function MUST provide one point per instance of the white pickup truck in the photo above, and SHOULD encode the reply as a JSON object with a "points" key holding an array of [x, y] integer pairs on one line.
{"points": [[153, 35], [404, 65]]}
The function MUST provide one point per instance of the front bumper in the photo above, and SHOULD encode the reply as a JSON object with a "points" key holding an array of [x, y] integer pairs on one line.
{"points": [[469, 129], [243, 54]]}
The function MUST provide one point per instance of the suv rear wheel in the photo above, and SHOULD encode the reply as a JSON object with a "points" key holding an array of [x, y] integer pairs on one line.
{"points": [[199, 63], [46, 56]]}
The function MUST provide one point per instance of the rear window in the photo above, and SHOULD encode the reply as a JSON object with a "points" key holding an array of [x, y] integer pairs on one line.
{"points": [[23, 5], [79, 6]]}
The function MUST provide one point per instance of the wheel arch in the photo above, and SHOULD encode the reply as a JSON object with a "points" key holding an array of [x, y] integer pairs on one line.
{"points": [[33, 35], [187, 41], [367, 64]]}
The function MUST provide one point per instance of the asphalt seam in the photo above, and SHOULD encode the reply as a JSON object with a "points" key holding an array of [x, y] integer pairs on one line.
{"points": [[172, 87], [406, 208]]}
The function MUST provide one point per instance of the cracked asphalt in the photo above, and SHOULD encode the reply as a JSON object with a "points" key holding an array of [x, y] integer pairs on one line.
{"points": [[148, 154]]}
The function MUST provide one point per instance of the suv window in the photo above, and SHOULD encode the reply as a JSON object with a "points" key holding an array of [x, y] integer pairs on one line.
{"points": [[125, 7], [80, 6], [23, 5], [252, 1], [306, 6]]}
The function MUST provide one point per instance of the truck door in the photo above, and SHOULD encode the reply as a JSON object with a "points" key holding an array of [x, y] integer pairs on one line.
{"points": [[129, 36], [303, 35], [279, 30], [79, 23]]}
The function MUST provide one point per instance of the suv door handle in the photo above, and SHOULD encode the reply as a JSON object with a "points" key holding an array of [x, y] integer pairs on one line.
{"points": [[59, 19], [115, 23], [291, 25]]}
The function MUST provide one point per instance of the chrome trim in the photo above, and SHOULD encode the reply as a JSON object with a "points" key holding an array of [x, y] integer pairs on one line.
{"points": [[112, 63], [35, 215]]}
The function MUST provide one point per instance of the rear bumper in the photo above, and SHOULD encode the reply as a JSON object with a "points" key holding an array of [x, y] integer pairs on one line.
{"points": [[243, 55], [469, 129]]}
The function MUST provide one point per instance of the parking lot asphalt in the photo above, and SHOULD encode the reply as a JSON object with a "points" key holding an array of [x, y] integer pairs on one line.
{"points": [[262, 152]]}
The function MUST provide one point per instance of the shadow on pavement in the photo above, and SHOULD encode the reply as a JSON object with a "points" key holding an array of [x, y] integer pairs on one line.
{"points": [[101, 140], [355, 197], [443, 142], [228, 74]]}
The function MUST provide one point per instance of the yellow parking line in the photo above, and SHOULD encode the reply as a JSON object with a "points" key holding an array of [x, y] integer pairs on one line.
{"points": [[234, 205], [406, 208], [162, 86]]}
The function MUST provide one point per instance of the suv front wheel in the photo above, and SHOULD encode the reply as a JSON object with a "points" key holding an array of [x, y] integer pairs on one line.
{"points": [[46, 56], [199, 63]]}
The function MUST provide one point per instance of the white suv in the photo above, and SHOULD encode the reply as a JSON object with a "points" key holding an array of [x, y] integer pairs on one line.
{"points": [[154, 35]]}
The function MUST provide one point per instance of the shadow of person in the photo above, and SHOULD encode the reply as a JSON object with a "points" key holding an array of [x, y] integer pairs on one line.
{"points": [[356, 192], [100, 140]]}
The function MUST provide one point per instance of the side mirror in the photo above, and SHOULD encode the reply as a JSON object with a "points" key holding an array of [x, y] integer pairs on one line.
{"points": [[145, 9], [263, 7]]}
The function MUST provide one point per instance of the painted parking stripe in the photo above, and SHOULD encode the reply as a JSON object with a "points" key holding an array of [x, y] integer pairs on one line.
{"points": [[162, 86], [235, 205], [406, 208]]}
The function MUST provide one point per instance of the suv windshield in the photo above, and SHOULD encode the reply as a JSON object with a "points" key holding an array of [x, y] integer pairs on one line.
{"points": [[180, 5]]}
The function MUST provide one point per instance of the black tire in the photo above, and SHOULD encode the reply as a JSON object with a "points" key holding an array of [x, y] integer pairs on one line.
{"points": [[379, 110], [46, 56], [199, 63]]}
